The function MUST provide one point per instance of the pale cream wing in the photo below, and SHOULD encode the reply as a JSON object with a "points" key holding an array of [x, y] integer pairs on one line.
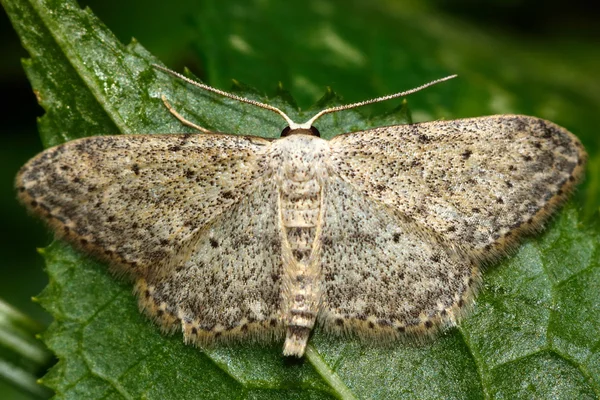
{"points": [[137, 200], [477, 182], [384, 276], [231, 285]]}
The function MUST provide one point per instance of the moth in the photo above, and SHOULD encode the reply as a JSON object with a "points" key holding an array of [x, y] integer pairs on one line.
{"points": [[380, 233]]}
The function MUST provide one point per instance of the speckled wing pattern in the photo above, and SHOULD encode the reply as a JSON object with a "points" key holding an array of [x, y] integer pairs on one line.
{"points": [[230, 286], [139, 201], [478, 182], [379, 233], [386, 276], [424, 205]]}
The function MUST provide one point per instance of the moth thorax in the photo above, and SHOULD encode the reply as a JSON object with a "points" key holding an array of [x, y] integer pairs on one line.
{"points": [[300, 157]]}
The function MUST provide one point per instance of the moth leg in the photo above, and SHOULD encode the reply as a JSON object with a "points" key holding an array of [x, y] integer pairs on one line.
{"points": [[180, 117]]}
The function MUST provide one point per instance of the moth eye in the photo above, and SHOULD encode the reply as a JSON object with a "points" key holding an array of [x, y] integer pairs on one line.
{"points": [[285, 132], [315, 131]]}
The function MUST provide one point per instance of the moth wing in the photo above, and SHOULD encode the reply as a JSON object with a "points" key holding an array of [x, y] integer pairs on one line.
{"points": [[479, 182], [137, 200], [229, 288], [384, 276]]}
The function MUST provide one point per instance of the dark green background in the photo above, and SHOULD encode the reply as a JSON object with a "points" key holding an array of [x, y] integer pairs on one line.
{"points": [[401, 45]]}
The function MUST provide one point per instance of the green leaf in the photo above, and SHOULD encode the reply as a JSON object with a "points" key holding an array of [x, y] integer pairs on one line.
{"points": [[533, 333]]}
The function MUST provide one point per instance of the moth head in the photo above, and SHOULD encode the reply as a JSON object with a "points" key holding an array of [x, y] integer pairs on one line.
{"points": [[311, 131]]}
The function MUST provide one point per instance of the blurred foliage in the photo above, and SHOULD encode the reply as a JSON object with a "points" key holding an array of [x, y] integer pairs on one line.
{"points": [[364, 50]]}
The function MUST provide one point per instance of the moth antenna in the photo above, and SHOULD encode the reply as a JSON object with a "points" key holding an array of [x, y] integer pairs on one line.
{"points": [[290, 123], [309, 123], [287, 119]]}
